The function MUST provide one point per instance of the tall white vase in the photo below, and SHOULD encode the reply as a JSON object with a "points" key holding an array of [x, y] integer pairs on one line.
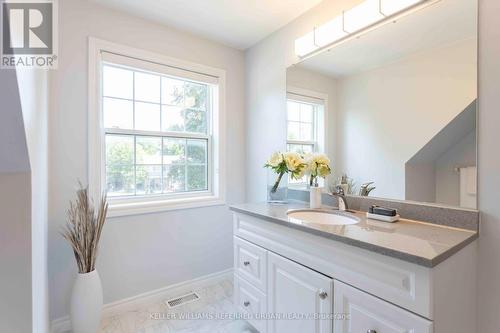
{"points": [[315, 197], [86, 303]]}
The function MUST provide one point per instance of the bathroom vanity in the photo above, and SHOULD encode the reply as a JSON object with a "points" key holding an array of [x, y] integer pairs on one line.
{"points": [[292, 275], [393, 107]]}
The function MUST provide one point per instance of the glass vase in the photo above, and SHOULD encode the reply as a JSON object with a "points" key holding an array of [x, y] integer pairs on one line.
{"points": [[277, 187]]}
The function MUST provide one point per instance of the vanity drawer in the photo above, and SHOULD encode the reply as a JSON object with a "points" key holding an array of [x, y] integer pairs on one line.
{"points": [[251, 302], [251, 263], [366, 313]]}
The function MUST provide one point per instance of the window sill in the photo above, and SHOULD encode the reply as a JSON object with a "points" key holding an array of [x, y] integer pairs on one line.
{"points": [[146, 207]]}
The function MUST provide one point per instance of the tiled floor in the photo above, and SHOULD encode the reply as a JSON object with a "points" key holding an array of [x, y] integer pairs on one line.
{"points": [[214, 300]]}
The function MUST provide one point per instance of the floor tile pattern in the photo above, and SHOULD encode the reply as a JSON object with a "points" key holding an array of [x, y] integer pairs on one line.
{"points": [[206, 315]]}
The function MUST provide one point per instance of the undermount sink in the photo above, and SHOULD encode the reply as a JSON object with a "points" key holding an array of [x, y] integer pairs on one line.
{"points": [[322, 217]]}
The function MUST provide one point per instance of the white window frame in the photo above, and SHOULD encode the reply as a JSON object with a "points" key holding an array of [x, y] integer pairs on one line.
{"points": [[320, 120], [121, 206]]}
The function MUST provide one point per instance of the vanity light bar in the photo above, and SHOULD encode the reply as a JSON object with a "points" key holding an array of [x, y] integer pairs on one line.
{"points": [[363, 15], [350, 22], [331, 31]]}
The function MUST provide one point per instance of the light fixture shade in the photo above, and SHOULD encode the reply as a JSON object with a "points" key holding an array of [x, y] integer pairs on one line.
{"points": [[362, 16], [305, 45], [330, 32], [367, 13], [391, 7]]}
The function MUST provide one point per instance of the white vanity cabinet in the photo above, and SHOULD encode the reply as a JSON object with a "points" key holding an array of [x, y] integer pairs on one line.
{"points": [[296, 290], [266, 283], [280, 272], [366, 313]]}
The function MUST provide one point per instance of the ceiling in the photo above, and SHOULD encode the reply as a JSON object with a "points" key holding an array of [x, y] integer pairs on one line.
{"points": [[442, 23], [236, 23]]}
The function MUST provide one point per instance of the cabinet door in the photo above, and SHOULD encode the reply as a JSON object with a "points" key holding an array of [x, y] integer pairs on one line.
{"points": [[364, 313], [251, 302], [300, 298]]}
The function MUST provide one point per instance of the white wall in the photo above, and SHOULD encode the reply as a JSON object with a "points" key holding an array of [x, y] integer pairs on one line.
{"points": [[489, 166], [266, 113], [144, 252], [13, 147], [15, 220], [15, 253], [420, 181], [400, 107], [33, 91]]}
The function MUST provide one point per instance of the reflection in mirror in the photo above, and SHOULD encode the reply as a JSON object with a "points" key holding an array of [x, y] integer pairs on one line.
{"points": [[395, 109]]}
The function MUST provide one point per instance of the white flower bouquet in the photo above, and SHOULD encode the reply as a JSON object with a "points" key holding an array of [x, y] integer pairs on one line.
{"points": [[284, 163], [318, 165]]}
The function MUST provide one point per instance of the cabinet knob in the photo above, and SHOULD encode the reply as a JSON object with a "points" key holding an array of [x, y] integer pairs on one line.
{"points": [[247, 303], [371, 331], [323, 294], [246, 263]]}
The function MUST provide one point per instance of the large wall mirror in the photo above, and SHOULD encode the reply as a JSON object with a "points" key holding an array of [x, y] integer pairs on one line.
{"points": [[395, 107]]}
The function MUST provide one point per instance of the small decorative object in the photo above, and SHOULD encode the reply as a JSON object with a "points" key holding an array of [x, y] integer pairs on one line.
{"points": [[366, 188], [347, 184], [343, 183], [383, 214], [279, 165], [318, 165], [83, 231]]}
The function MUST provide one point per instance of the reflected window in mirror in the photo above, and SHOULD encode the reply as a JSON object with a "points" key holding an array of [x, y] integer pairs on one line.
{"points": [[305, 126]]}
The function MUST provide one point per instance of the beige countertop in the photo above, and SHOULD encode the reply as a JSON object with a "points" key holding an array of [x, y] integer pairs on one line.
{"points": [[421, 243]]}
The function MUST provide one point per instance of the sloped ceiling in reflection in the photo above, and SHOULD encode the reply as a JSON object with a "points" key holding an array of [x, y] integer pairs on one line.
{"points": [[450, 135]]}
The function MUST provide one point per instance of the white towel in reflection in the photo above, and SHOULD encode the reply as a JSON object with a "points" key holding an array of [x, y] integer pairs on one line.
{"points": [[468, 187]]}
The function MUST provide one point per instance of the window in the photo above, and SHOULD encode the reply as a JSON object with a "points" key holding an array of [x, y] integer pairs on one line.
{"points": [[305, 124], [159, 140], [156, 132], [301, 136]]}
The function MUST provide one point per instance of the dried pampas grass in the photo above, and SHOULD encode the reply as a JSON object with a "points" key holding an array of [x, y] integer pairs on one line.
{"points": [[83, 229]]}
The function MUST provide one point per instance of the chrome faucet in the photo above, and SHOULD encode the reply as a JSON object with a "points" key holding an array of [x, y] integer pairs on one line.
{"points": [[341, 199]]}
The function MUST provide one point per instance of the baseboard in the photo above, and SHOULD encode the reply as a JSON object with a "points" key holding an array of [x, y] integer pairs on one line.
{"points": [[63, 324]]}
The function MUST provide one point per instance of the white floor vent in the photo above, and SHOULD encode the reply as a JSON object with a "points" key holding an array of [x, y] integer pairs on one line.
{"points": [[184, 299]]}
